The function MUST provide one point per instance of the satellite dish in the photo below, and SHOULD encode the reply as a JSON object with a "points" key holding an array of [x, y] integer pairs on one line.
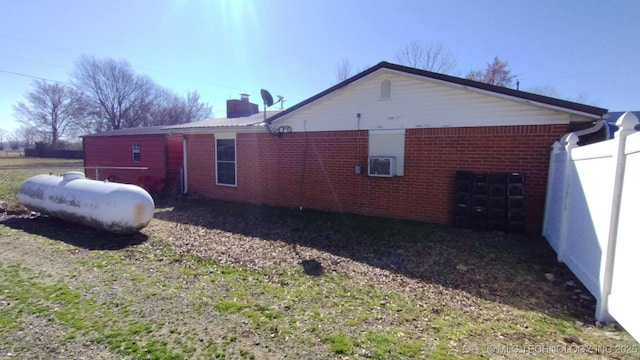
{"points": [[266, 97]]}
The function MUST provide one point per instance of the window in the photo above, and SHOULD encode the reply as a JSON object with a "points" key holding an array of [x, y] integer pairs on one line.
{"points": [[226, 162], [135, 149], [388, 143]]}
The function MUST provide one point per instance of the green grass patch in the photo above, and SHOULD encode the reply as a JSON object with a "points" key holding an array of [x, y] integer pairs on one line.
{"points": [[78, 314], [230, 307], [340, 343]]}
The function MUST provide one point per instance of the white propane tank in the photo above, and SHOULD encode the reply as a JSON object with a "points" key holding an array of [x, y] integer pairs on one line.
{"points": [[114, 207]]}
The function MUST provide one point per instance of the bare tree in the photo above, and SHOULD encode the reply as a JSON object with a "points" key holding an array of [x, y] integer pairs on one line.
{"points": [[496, 73], [3, 132], [544, 90], [343, 70], [123, 99], [54, 109], [166, 109], [118, 95], [171, 109], [24, 135], [431, 57], [584, 98], [195, 109]]}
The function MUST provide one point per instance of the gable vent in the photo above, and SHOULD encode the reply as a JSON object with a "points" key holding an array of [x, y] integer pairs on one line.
{"points": [[385, 89]]}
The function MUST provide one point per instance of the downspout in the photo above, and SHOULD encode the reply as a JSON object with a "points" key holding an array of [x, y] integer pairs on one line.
{"points": [[166, 158], [184, 165], [595, 128]]}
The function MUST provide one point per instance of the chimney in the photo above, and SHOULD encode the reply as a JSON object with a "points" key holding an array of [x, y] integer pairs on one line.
{"points": [[241, 108]]}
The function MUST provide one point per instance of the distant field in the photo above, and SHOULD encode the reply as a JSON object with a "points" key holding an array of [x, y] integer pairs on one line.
{"points": [[14, 170], [10, 153]]}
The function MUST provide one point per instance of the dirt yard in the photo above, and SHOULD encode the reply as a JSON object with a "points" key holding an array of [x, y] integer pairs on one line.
{"points": [[209, 279]]}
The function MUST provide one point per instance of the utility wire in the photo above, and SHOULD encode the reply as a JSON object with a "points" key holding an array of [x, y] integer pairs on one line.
{"points": [[138, 67], [39, 44], [35, 62], [33, 77]]}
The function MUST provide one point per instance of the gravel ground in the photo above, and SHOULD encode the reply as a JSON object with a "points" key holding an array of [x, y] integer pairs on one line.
{"points": [[483, 274]]}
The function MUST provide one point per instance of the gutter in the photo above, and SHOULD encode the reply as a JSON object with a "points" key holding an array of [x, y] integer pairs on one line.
{"points": [[595, 128]]}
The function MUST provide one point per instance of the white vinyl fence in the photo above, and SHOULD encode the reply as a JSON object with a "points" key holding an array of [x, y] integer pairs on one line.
{"points": [[592, 219]]}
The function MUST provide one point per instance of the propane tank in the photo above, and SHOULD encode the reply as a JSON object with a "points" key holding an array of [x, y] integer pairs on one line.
{"points": [[114, 207]]}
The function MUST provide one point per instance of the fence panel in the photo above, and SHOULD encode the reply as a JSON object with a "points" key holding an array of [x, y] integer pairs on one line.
{"points": [[625, 293], [593, 199], [590, 196]]}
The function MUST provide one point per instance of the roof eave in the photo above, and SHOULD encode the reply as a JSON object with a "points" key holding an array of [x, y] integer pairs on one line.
{"points": [[214, 129]]}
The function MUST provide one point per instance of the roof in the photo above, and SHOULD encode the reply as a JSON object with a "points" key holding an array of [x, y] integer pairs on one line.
{"points": [[523, 95], [148, 130], [253, 120]]}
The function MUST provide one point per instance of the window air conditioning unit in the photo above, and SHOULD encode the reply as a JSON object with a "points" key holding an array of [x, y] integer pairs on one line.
{"points": [[383, 166]]}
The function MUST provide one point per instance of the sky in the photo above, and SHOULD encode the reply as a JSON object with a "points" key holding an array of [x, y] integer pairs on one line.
{"points": [[221, 48]]}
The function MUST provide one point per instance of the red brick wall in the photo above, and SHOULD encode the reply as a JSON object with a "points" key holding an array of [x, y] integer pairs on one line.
{"points": [[175, 156], [316, 170], [200, 161], [116, 151]]}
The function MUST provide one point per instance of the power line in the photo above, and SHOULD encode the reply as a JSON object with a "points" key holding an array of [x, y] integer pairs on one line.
{"points": [[34, 61], [39, 44], [33, 77], [138, 67]]}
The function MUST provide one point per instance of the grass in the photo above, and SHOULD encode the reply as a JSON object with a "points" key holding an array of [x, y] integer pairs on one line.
{"points": [[17, 169], [78, 314], [323, 311], [151, 301]]}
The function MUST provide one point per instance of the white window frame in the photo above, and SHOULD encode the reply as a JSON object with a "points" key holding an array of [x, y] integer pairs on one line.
{"points": [[388, 143], [136, 148], [225, 136]]}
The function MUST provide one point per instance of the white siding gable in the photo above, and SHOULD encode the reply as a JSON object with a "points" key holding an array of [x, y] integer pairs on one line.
{"points": [[417, 102]]}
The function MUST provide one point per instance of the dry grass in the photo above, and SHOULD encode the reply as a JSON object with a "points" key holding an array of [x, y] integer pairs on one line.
{"points": [[11, 153], [14, 170], [209, 279]]}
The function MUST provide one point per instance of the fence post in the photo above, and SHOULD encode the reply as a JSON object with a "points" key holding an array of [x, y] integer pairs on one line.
{"points": [[626, 126], [556, 148], [571, 142]]}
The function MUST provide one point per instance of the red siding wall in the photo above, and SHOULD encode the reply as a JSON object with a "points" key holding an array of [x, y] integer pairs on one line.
{"points": [[116, 151], [316, 170]]}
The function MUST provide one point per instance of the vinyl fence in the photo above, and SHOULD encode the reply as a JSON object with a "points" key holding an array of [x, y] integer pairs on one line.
{"points": [[592, 219]]}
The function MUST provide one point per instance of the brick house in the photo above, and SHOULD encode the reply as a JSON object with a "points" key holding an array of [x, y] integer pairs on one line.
{"points": [[146, 156], [386, 142]]}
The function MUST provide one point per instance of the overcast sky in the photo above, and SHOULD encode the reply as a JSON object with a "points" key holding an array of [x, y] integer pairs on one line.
{"points": [[291, 48]]}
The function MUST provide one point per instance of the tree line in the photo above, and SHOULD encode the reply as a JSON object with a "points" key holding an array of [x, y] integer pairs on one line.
{"points": [[435, 58], [103, 94]]}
